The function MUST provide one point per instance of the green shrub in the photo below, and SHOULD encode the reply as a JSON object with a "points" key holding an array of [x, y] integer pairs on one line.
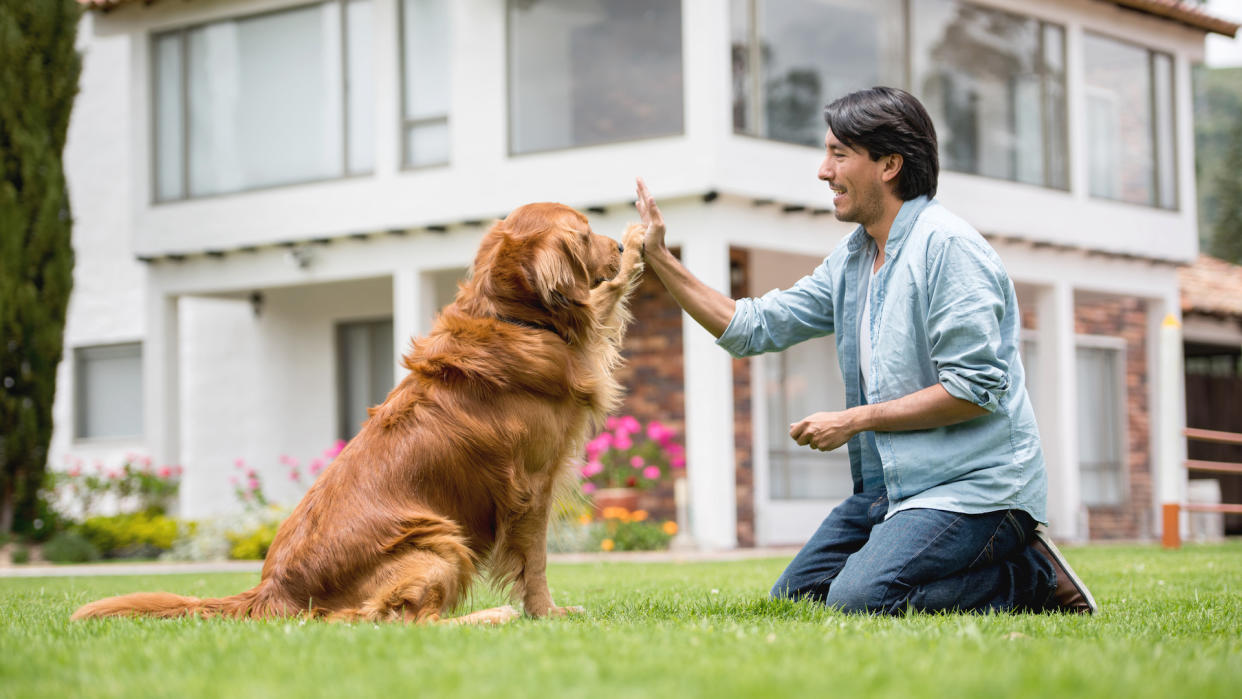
{"points": [[138, 534], [70, 547], [21, 554], [252, 545]]}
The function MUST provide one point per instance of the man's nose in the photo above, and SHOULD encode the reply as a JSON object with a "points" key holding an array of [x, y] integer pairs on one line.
{"points": [[825, 170]]}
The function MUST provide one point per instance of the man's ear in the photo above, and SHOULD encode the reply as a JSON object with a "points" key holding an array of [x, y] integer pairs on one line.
{"points": [[558, 276], [892, 166]]}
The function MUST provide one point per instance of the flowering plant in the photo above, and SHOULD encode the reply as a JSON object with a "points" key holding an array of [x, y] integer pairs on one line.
{"points": [[248, 484], [628, 454], [134, 486]]}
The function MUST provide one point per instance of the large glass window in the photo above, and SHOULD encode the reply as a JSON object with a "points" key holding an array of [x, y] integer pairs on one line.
{"points": [[425, 55], [1130, 128], [802, 380], [585, 72], [994, 84], [1100, 428], [364, 369], [108, 383], [792, 57], [258, 101]]}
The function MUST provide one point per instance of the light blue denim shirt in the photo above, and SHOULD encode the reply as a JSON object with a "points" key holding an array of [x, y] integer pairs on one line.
{"points": [[943, 310]]}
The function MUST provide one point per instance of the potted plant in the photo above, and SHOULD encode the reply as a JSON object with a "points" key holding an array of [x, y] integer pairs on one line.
{"points": [[626, 458]]}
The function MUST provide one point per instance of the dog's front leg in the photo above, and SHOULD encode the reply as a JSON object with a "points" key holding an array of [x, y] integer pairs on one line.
{"points": [[536, 598], [608, 299]]}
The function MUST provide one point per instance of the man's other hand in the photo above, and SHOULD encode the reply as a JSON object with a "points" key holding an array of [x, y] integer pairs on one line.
{"points": [[824, 431]]}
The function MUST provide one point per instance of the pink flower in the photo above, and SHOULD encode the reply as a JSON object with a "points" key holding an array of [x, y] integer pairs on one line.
{"points": [[233, 480], [335, 449], [588, 488], [253, 483], [250, 473], [75, 471], [239, 463], [286, 459], [294, 474], [631, 424], [651, 472], [316, 466], [678, 461], [611, 423], [164, 472], [637, 462], [114, 475], [144, 460], [177, 470], [623, 441], [591, 468]]}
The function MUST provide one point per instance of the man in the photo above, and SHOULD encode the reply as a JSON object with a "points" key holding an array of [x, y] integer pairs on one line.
{"points": [[949, 478]]}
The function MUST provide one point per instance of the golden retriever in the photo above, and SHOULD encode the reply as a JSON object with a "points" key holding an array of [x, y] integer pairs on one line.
{"points": [[455, 471]]}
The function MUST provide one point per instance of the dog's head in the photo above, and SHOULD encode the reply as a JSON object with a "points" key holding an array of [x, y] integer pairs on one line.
{"points": [[543, 259]]}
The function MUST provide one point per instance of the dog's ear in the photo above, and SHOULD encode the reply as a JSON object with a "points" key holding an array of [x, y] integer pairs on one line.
{"points": [[558, 274]]}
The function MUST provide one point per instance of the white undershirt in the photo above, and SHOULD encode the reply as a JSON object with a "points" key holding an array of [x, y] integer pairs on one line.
{"points": [[864, 323]]}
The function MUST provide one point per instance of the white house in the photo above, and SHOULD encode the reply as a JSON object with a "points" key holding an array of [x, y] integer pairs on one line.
{"points": [[272, 196]]}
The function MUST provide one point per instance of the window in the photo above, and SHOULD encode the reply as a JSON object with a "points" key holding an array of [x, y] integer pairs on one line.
{"points": [[587, 72], [1100, 429], [108, 391], [799, 381], [1130, 126], [1101, 415], [791, 58], [266, 100], [994, 85], [425, 65], [365, 369]]}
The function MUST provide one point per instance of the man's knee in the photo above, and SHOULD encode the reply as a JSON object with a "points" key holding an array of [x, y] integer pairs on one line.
{"points": [[785, 589], [859, 596]]}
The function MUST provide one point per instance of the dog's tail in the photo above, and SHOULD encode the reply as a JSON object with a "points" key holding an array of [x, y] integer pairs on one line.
{"points": [[165, 605]]}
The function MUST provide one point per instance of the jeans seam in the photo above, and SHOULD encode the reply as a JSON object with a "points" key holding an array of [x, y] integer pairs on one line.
{"points": [[991, 540]]}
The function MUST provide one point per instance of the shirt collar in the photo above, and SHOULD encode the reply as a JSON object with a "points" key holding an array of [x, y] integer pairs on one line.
{"points": [[900, 230]]}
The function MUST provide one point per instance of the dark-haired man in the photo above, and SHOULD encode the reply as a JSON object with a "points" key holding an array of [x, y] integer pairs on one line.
{"points": [[949, 477]]}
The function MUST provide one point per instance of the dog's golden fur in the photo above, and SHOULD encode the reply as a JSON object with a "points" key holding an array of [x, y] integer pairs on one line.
{"points": [[456, 469]]}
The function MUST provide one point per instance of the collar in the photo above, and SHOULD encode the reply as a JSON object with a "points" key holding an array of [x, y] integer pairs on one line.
{"points": [[533, 326], [899, 231]]}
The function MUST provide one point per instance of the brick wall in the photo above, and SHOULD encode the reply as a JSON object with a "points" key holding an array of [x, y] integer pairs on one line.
{"points": [[1125, 318], [743, 437], [653, 373]]}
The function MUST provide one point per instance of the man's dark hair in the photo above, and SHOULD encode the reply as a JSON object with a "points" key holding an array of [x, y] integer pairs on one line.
{"points": [[884, 121]]}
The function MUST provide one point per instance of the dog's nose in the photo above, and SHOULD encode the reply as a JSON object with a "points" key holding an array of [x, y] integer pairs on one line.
{"points": [[620, 247]]}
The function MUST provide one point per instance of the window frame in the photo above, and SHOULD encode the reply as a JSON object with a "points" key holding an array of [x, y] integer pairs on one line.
{"points": [[405, 123], [1154, 131], [79, 389], [182, 33]]}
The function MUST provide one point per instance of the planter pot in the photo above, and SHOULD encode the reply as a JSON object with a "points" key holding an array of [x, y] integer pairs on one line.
{"points": [[614, 497]]}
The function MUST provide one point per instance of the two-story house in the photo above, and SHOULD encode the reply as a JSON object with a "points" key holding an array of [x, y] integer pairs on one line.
{"points": [[273, 196]]}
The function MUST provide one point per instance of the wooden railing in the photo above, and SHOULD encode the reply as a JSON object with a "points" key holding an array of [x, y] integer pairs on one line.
{"points": [[1172, 533]]}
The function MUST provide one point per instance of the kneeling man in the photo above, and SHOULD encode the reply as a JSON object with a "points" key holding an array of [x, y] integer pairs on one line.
{"points": [[949, 478]]}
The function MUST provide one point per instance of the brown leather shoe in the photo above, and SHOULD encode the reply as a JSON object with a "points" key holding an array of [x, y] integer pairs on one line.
{"points": [[1071, 594]]}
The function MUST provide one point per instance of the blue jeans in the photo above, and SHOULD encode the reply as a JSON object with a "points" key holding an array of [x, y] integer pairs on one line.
{"points": [[923, 559]]}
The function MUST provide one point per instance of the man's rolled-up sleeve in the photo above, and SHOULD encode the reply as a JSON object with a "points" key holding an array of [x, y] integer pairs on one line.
{"points": [[779, 319], [967, 292]]}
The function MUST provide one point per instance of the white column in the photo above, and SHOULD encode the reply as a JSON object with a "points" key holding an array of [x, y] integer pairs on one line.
{"points": [[161, 378], [1057, 410], [407, 294], [1168, 412], [709, 408]]}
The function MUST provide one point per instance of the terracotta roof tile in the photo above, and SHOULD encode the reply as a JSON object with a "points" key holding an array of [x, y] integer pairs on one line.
{"points": [[1211, 287]]}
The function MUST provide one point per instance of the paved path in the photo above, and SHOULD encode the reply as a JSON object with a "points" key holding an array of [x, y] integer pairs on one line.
{"points": [[161, 568]]}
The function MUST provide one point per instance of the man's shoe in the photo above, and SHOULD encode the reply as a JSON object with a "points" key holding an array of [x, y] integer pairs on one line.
{"points": [[1071, 594]]}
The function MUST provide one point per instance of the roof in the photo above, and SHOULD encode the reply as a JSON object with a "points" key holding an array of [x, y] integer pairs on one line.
{"points": [[1187, 13], [1211, 287]]}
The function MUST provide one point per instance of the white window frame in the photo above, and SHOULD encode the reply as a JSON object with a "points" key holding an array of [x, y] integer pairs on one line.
{"points": [[153, 87], [79, 388]]}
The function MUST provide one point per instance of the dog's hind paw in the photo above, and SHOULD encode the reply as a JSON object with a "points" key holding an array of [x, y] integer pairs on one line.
{"points": [[487, 617]]}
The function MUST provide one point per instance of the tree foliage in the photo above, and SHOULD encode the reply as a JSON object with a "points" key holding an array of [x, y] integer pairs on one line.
{"points": [[1227, 228], [39, 70]]}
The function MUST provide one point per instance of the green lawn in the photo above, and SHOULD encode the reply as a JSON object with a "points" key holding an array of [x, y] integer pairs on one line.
{"points": [[1171, 627]]}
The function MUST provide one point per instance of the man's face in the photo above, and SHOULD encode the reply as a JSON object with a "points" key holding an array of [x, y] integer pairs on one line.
{"points": [[855, 179]]}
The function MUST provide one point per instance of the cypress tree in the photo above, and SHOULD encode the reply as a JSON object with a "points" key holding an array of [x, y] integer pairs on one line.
{"points": [[1227, 236], [39, 70]]}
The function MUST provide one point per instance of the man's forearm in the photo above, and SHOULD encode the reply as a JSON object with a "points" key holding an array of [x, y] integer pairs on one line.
{"points": [[925, 409], [709, 308]]}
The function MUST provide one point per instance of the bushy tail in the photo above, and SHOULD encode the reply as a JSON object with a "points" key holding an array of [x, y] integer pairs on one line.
{"points": [[165, 605]]}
